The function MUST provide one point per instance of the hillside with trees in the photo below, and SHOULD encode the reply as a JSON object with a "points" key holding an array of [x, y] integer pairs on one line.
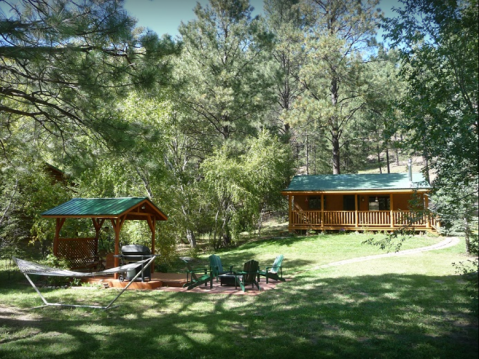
{"points": [[211, 127]]}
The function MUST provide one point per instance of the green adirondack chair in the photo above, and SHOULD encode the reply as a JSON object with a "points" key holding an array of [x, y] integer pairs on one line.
{"points": [[216, 267], [193, 280], [275, 271], [247, 276]]}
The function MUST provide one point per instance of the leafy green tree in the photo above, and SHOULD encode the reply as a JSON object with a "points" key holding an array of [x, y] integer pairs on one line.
{"points": [[26, 191], [185, 199], [224, 98], [438, 42], [242, 187]]}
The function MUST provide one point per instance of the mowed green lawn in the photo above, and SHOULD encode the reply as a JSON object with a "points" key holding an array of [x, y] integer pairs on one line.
{"points": [[411, 306]]}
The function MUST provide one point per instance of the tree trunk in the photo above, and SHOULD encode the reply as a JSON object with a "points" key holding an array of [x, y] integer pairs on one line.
{"points": [[426, 167], [145, 182], [379, 158], [286, 127], [225, 232], [387, 160], [190, 235], [215, 236], [260, 221], [467, 233], [336, 158], [9, 202], [396, 149], [335, 134], [307, 155]]}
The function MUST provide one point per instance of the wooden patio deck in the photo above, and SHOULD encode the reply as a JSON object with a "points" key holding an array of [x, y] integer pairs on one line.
{"points": [[158, 280], [173, 282]]}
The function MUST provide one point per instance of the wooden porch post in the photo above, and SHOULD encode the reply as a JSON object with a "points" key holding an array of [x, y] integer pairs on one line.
{"points": [[426, 206], [392, 210], [322, 211], [356, 210]]}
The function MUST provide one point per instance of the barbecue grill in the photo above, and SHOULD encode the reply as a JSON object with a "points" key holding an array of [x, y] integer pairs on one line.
{"points": [[134, 253]]}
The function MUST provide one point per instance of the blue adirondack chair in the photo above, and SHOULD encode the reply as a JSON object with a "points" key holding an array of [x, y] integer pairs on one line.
{"points": [[275, 271]]}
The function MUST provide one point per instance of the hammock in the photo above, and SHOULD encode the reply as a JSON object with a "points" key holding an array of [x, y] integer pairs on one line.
{"points": [[27, 268]]}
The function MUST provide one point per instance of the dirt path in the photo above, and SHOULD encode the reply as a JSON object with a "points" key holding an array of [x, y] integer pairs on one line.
{"points": [[447, 242]]}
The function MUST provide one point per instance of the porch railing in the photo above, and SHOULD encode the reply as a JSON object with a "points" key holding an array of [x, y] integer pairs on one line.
{"points": [[315, 219]]}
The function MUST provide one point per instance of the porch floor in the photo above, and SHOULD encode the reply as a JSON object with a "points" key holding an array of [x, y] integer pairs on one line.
{"points": [[360, 229]]}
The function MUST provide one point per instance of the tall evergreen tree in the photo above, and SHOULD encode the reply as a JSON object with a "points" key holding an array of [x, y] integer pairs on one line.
{"points": [[64, 63], [332, 74], [226, 90], [285, 21]]}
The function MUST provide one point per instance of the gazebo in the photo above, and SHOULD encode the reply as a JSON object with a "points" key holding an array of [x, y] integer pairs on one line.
{"points": [[82, 251]]}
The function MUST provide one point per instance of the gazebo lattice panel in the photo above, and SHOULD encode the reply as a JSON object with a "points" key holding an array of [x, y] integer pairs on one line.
{"points": [[80, 252]]}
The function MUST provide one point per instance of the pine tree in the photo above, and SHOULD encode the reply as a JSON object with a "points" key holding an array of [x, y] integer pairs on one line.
{"points": [[332, 75]]}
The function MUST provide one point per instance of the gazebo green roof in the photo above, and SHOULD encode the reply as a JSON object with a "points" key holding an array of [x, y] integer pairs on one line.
{"points": [[357, 182], [101, 207]]}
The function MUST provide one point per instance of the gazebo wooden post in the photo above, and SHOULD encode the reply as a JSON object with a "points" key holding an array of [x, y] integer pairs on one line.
{"points": [[151, 223], [290, 208], [59, 225], [117, 224], [97, 223]]}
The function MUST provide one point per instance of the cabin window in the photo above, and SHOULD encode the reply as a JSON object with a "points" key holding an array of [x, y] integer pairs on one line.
{"points": [[315, 202], [379, 203]]}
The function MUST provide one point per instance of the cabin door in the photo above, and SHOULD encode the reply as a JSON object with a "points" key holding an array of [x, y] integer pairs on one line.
{"points": [[349, 204]]}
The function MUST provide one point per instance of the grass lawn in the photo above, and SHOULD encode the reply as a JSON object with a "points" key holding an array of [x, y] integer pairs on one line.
{"points": [[411, 306]]}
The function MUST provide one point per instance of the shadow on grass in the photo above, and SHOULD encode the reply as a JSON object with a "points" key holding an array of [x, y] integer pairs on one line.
{"points": [[384, 316]]}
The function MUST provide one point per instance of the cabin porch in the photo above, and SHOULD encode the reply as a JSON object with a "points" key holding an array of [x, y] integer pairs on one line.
{"points": [[360, 212], [361, 220]]}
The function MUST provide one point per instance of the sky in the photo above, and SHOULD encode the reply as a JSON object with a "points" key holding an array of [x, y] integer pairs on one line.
{"points": [[165, 16]]}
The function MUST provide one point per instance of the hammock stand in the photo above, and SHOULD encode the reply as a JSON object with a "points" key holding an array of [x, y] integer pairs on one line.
{"points": [[27, 267]]}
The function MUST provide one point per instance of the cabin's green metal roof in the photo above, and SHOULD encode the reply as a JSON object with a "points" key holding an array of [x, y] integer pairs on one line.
{"points": [[94, 206], [358, 182]]}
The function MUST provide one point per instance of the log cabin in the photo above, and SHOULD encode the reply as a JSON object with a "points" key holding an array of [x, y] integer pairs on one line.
{"points": [[360, 202]]}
